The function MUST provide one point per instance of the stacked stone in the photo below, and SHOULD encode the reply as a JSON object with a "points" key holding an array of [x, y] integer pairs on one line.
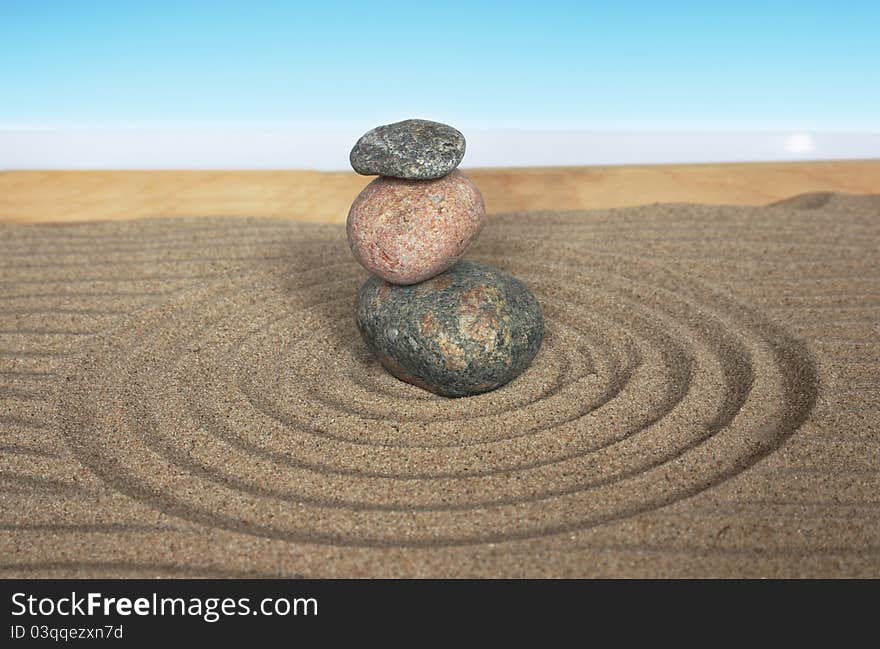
{"points": [[453, 327]]}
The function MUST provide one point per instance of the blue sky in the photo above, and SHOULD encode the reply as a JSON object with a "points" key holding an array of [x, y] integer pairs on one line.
{"points": [[582, 65]]}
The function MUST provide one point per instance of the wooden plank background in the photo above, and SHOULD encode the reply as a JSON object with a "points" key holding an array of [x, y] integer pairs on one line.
{"points": [[324, 197]]}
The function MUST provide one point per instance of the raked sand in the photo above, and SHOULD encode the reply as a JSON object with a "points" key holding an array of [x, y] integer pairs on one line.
{"points": [[192, 398]]}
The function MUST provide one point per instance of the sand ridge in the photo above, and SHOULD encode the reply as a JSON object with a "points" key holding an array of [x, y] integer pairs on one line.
{"points": [[192, 398]]}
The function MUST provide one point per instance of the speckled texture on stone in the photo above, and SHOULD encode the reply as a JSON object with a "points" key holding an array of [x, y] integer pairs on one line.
{"points": [[469, 330], [406, 231], [415, 149]]}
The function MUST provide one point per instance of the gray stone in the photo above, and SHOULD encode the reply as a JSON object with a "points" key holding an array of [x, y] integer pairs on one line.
{"points": [[468, 330], [415, 149]]}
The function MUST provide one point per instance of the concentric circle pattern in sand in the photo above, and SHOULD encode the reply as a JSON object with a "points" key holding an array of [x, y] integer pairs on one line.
{"points": [[251, 404]]}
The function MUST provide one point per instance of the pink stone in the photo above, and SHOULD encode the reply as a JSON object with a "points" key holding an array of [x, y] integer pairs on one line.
{"points": [[407, 231]]}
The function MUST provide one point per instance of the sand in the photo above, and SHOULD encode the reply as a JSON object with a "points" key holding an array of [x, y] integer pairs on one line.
{"points": [[191, 398]]}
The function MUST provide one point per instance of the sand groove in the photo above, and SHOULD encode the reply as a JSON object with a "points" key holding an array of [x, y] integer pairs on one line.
{"points": [[661, 374], [236, 395]]}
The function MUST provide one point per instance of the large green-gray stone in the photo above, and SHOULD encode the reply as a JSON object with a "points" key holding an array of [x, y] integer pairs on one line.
{"points": [[468, 330]]}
